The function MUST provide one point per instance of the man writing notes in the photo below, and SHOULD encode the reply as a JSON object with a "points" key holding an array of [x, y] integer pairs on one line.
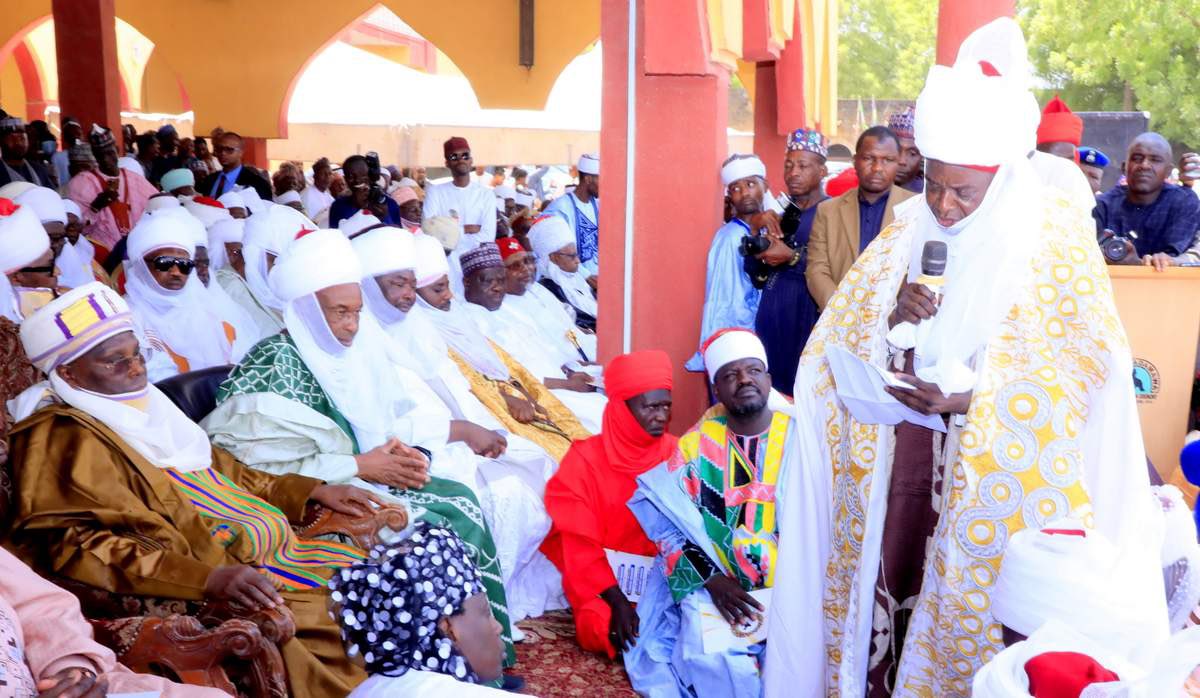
{"points": [[711, 509], [904, 527]]}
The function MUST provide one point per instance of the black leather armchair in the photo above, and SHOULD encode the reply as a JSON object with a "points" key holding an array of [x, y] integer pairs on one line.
{"points": [[195, 392]]}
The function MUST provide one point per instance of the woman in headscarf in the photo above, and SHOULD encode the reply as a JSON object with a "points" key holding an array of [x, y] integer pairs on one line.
{"points": [[587, 498], [430, 631]]}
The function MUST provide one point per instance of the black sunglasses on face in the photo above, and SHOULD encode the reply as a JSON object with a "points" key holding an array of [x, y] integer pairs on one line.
{"points": [[455, 157], [48, 269], [163, 264]]}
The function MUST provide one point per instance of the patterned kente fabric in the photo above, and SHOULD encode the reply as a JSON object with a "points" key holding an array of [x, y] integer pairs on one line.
{"points": [[731, 479], [295, 563], [1017, 461], [274, 366]]}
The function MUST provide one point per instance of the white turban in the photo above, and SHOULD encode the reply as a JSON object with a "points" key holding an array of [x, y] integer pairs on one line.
{"points": [[177, 179], [385, 250], [232, 199], [730, 345], [444, 229], [550, 234], [72, 208], [291, 196], [740, 167], [221, 232], [160, 232], [980, 111], [589, 163], [430, 260], [252, 200], [1080, 580], [505, 192], [14, 189], [70, 325], [524, 199], [205, 210], [22, 237], [315, 261], [360, 221], [158, 202], [45, 203]]}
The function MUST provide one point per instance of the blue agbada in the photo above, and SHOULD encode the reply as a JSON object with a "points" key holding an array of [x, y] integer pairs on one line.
{"points": [[730, 299]]}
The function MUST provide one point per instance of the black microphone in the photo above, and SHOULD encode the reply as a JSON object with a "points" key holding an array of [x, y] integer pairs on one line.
{"points": [[933, 266]]}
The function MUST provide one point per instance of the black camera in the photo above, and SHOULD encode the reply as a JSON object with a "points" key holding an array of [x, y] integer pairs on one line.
{"points": [[752, 245], [1115, 246]]}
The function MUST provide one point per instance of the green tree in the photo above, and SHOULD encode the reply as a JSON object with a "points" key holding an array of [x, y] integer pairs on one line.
{"points": [[1102, 54], [885, 47]]}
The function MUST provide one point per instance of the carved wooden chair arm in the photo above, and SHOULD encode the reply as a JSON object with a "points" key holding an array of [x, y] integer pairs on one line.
{"points": [[363, 530], [277, 625], [181, 648]]}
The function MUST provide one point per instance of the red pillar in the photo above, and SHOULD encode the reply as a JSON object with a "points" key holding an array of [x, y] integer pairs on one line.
{"points": [[958, 18], [254, 152], [770, 139], [89, 82], [681, 116]]}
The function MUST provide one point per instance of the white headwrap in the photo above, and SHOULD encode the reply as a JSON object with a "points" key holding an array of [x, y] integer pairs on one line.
{"points": [[206, 213], [291, 196], [991, 250], [22, 241], [359, 378], [741, 167], [1080, 580], [504, 191], [72, 208], [159, 202], [75, 262], [219, 233], [731, 345], [360, 221], [589, 163], [252, 201], [232, 199], [184, 321], [550, 234], [444, 229], [429, 259], [524, 199], [177, 179], [71, 325], [270, 231], [45, 202]]}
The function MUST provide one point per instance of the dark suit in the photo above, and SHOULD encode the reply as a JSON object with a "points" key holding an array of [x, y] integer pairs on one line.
{"points": [[43, 176], [248, 177]]}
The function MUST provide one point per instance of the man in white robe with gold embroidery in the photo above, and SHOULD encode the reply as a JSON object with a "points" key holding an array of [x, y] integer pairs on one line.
{"points": [[1026, 363]]}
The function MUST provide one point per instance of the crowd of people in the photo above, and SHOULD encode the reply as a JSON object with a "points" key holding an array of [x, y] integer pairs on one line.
{"points": [[979, 520]]}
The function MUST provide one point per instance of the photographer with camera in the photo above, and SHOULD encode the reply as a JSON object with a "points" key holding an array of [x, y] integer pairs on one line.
{"points": [[1147, 221], [787, 311], [362, 178], [845, 225]]}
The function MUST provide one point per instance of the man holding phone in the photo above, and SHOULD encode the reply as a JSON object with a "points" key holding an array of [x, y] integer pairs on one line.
{"points": [[112, 199]]}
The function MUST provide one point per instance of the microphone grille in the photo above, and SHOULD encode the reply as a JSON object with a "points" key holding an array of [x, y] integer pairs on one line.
{"points": [[933, 258]]}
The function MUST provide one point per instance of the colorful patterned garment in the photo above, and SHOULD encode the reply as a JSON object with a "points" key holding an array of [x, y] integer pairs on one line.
{"points": [[1028, 451], [295, 563], [274, 366], [731, 479]]}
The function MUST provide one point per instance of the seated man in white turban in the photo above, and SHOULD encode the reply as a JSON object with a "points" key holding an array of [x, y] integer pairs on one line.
{"points": [[554, 319], [508, 472], [558, 268], [234, 203], [514, 397], [25, 256], [485, 283], [267, 235], [710, 509], [1022, 362], [323, 400], [82, 252], [170, 305], [48, 207], [1066, 589], [119, 490]]}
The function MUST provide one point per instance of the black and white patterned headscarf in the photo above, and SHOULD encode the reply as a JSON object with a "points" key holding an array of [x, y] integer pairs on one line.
{"points": [[389, 605]]}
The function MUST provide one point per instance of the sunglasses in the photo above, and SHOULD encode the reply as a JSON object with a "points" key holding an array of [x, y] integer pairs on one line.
{"points": [[163, 264], [48, 269], [455, 157]]}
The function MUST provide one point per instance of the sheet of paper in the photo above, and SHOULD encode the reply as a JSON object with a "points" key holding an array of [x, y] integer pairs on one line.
{"points": [[860, 386], [632, 572], [718, 635]]}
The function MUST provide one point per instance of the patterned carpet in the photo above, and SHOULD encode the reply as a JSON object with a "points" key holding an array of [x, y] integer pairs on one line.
{"points": [[553, 665]]}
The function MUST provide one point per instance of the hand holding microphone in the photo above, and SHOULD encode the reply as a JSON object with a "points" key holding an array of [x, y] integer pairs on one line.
{"points": [[919, 300]]}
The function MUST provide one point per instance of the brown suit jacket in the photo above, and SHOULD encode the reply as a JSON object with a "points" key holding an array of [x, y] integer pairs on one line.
{"points": [[833, 243]]}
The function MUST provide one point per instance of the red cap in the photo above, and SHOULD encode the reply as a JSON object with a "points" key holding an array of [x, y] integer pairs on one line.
{"points": [[455, 143], [8, 207], [208, 201], [1060, 124], [509, 247], [844, 182], [1064, 674]]}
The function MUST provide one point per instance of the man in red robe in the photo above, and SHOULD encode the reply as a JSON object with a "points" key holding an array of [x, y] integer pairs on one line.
{"points": [[587, 498]]}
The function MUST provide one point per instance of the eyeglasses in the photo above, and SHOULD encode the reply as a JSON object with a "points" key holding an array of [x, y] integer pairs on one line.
{"points": [[125, 364], [163, 264], [565, 255], [455, 157]]}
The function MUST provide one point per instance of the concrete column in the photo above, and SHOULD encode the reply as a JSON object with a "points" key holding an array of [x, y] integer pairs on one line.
{"points": [[89, 82], [681, 116], [770, 138], [254, 152], [958, 18]]}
